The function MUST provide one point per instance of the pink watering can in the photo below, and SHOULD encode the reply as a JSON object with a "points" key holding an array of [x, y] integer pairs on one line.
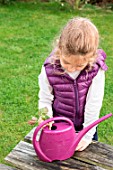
{"points": [[60, 142]]}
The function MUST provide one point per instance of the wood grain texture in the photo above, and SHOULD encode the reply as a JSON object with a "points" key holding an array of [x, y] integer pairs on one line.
{"points": [[23, 156], [97, 153], [5, 167], [29, 136]]}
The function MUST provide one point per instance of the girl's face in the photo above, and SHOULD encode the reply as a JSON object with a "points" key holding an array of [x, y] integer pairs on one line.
{"points": [[73, 63]]}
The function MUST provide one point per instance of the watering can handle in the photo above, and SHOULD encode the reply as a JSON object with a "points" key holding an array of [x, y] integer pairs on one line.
{"points": [[53, 119], [50, 120], [36, 143]]}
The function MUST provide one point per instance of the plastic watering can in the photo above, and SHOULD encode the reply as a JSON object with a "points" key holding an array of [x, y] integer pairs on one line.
{"points": [[60, 142]]}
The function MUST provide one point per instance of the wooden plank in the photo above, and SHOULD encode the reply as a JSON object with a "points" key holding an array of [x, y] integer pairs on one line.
{"points": [[5, 167], [24, 157], [29, 136], [97, 153]]}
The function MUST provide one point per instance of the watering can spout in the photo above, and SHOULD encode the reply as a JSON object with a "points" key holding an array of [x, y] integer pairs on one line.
{"points": [[86, 129]]}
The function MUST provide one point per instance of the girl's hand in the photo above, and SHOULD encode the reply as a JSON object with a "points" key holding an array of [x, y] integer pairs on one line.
{"points": [[32, 121], [82, 145], [50, 125], [42, 116]]}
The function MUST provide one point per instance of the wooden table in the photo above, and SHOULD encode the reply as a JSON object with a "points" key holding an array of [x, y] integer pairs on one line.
{"points": [[98, 156]]}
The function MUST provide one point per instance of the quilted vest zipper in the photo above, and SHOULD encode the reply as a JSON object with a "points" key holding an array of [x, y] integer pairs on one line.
{"points": [[76, 98]]}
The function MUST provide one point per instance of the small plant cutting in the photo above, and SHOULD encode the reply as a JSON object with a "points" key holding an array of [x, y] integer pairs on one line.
{"points": [[42, 116]]}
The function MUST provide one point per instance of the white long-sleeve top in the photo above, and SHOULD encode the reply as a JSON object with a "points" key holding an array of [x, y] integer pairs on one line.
{"points": [[93, 100]]}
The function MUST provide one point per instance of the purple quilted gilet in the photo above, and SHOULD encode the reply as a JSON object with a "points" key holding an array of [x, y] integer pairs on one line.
{"points": [[69, 94]]}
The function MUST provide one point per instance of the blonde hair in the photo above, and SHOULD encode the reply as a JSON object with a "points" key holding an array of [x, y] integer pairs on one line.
{"points": [[79, 37]]}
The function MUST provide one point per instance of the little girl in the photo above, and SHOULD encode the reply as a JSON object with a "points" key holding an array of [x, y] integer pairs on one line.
{"points": [[72, 78]]}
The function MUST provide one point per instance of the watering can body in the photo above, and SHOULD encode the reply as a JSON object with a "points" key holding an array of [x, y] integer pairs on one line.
{"points": [[60, 142]]}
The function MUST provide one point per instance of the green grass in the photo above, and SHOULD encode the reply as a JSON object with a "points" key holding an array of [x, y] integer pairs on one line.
{"points": [[27, 31]]}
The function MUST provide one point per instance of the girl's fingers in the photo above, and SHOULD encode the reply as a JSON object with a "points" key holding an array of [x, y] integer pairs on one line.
{"points": [[78, 148], [82, 145], [32, 121], [81, 148], [50, 125]]}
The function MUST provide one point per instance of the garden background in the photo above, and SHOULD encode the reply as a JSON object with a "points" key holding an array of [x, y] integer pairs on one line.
{"points": [[27, 32]]}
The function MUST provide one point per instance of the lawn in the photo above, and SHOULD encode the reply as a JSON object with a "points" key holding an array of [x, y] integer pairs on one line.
{"points": [[27, 32]]}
